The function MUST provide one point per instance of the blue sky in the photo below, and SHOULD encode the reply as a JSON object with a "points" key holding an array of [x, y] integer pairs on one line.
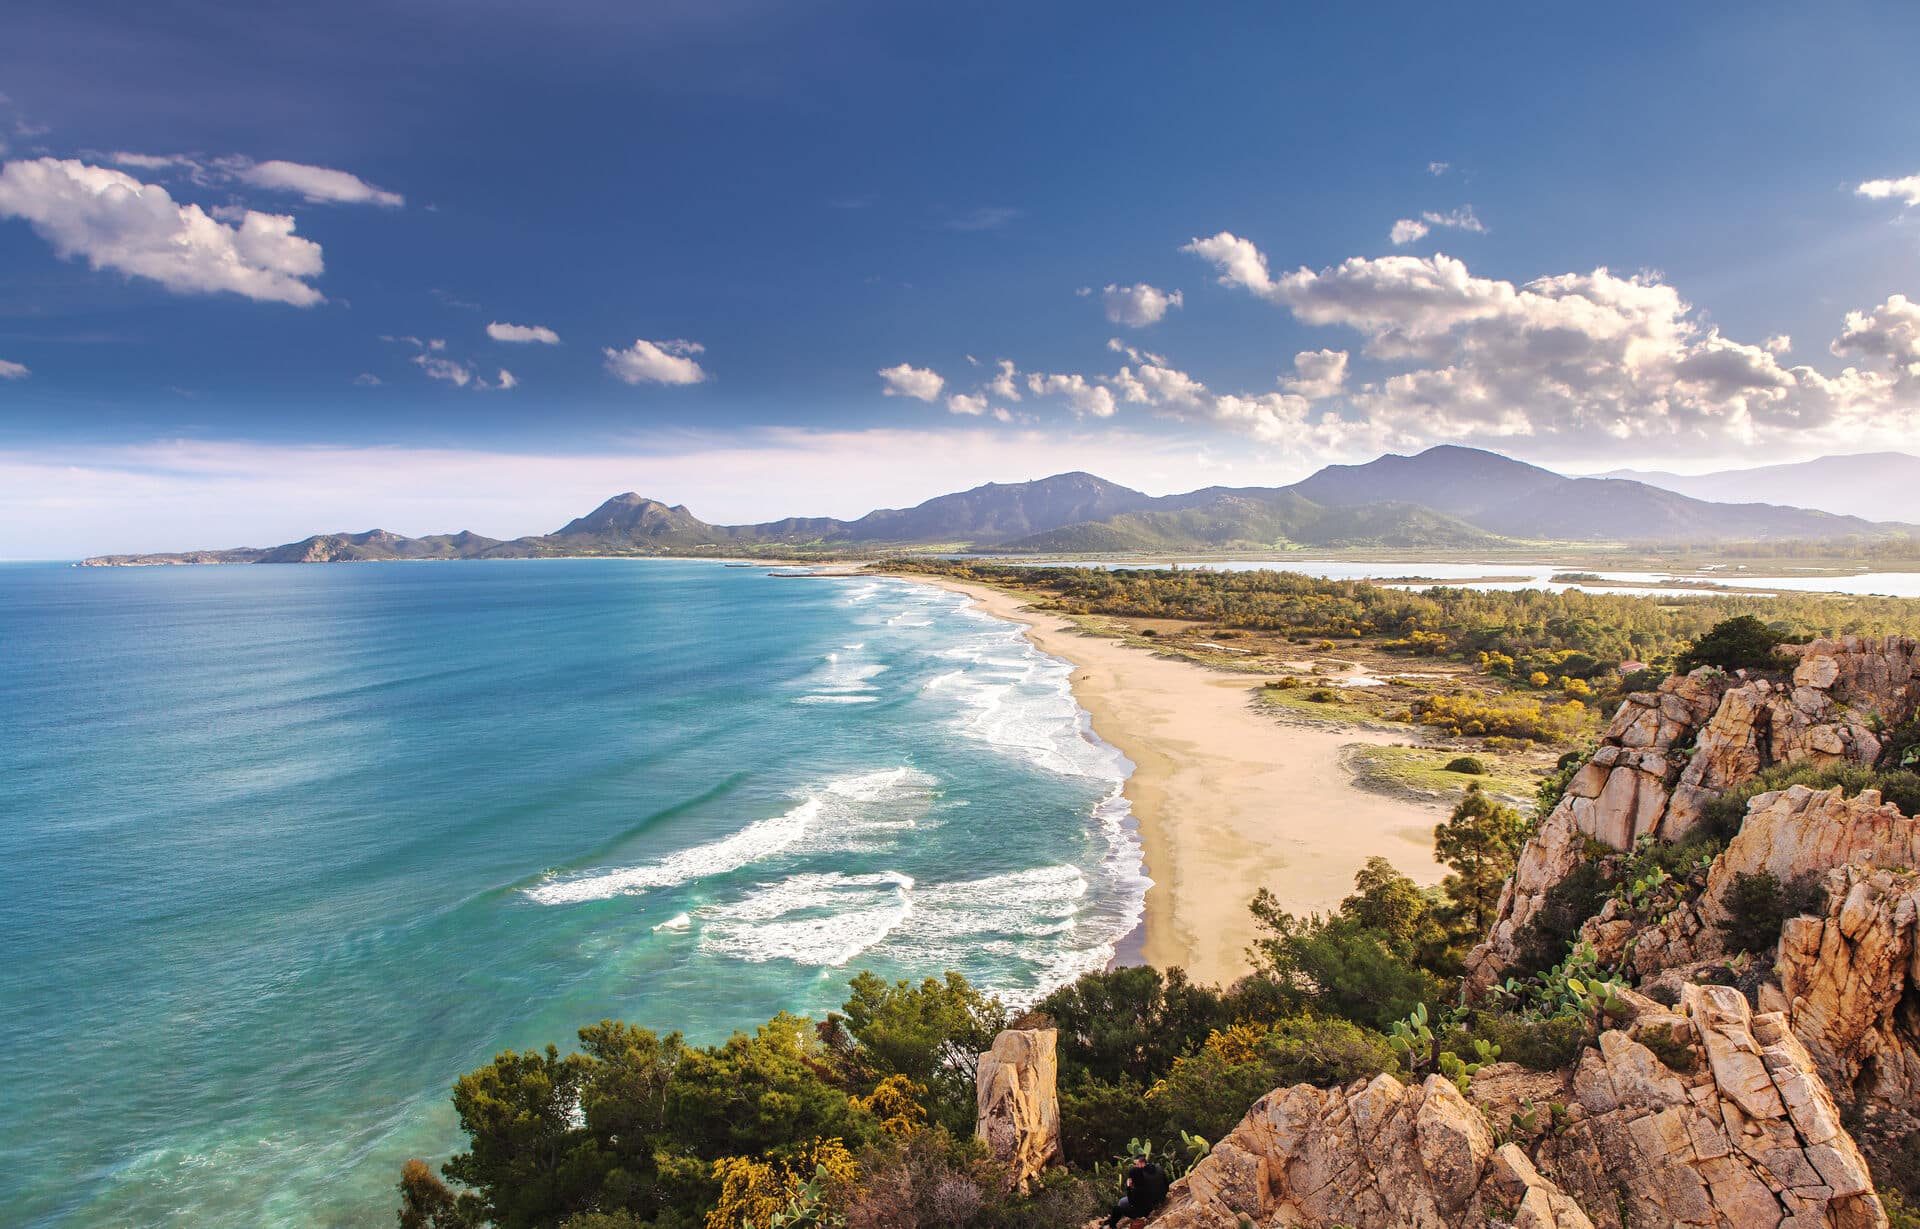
{"points": [[814, 195]]}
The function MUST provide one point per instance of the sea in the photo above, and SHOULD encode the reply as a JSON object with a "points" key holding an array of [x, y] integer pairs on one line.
{"points": [[284, 850]]}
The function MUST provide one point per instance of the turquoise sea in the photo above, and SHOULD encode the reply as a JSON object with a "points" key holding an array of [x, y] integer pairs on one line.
{"points": [[283, 850]]}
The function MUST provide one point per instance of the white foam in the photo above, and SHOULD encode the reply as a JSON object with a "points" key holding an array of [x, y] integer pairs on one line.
{"points": [[758, 840], [842, 813], [678, 921], [824, 920], [836, 699]]}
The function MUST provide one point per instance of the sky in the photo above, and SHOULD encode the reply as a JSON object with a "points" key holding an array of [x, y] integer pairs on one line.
{"points": [[273, 269]]}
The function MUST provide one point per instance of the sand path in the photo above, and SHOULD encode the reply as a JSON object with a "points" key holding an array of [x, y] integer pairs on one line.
{"points": [[1229, 799]]}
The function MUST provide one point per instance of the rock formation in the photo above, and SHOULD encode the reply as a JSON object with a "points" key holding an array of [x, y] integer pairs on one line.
{"points": [[1669, 753], [1741, 1133], [1018, 1108]]}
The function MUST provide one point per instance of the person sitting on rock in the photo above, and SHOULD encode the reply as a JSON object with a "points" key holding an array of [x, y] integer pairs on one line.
{"points": [[1146, 1190]]}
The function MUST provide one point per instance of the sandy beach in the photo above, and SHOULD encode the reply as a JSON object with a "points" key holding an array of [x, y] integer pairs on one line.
{"points": [[1229, 799]]}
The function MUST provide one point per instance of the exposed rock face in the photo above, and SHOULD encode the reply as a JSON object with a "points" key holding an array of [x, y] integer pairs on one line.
{"points": [[1745, 1136], [1667, 754], [1851, 980], [1018, 1107]]}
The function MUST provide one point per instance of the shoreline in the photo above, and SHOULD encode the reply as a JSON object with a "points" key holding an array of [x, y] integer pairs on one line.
{"points": [[1227, 799]]}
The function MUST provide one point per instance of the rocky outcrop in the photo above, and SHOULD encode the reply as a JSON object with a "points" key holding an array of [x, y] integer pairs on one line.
{"points": [[1850, 979], [1668, 754], [1018, 1107], [1741, 1134]]}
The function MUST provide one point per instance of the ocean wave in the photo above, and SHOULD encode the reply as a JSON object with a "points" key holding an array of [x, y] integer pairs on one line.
{"points": [[678, 921], [836, 699], [836, 813], [824, 920]]}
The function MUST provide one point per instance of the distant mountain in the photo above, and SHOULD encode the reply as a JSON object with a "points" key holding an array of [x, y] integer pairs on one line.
{"points": [[1443, 498], [1514, 499], [1256, 519], [1881, 486]]}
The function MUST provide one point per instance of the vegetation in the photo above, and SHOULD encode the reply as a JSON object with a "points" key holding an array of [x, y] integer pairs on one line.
{"points": [[1740, 643], [1758, 905]]}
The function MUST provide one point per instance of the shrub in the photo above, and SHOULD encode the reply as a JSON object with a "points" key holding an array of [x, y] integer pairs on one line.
{"points": [[1900, 748], [1539, 1045], [1321, 695], [1470, 715], [1209, 1092], [1758, 905], [1740, 643], [1130, 1023], [1543, 940], [1467, 764]]}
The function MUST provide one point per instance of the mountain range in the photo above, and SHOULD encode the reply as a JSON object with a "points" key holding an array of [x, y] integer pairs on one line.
{"points": [[1444, 498], [1881, 485]]}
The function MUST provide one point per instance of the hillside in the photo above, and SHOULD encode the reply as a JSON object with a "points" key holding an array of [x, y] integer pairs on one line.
{"points": [[1512, 498], [1446, 498], [1875, 485]]}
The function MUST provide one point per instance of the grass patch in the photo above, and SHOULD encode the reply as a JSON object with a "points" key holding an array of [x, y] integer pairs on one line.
{"points": [[1424, 772]]}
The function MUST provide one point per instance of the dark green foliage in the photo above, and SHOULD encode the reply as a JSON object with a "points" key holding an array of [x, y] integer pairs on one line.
{"points": [[1543, 940], [1321, 695], [1337, 965], [1130, 1024], [1900, 748], [1758, 905], [1900, 786], [1478, 843], [1467, 764], [1642, 680], [760, 1094], [1207, 1094], [1539, 1045], [1740, 643], [932, 1033], [1552, 787], [1098, 1117]]}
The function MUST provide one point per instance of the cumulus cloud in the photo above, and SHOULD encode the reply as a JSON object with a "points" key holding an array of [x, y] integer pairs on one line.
{"points": [[964, 403], [1088, 399], [1002, 385], [906, 380], [13, 371], [523, 333], [367, 379], [1906, 190], [114, 221], [657, 362], [1138, 306], [317, 184], [1578, 357], [1318, 374], [1408, 230], [505, 380], [1438, 168], [1888, 335]]}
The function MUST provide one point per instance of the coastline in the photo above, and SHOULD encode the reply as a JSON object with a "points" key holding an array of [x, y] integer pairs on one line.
{"points": [[1228, 799]]}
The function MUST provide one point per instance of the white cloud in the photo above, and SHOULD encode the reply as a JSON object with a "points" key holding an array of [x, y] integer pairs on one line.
{"points": [[505, 380], [963, 403], [116, 222], [1578, 360], [1905, 190], [1002, 385], [1085, 398], [317, 184], [523, 333], [1889, 335], [1778, 343], [13, 371], [1438, 168], [657, 362], [906, 380], [1407, 230], [988, 217], [1318, 374], [457, 374], [1138, 306], [367, 379]]}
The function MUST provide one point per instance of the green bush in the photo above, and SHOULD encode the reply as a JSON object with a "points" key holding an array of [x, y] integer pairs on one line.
{"points": [[1538, 1045], [1740, 643], [1758, 905], [1467, 764], [1209, 1092], [1322, 695], [1543, 941]]}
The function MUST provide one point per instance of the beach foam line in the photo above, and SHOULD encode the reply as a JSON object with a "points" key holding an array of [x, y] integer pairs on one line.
{"points": [[678, 921]]}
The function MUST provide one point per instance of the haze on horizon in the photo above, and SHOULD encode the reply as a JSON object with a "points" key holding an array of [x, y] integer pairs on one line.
{"points": [[440, 266]]}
